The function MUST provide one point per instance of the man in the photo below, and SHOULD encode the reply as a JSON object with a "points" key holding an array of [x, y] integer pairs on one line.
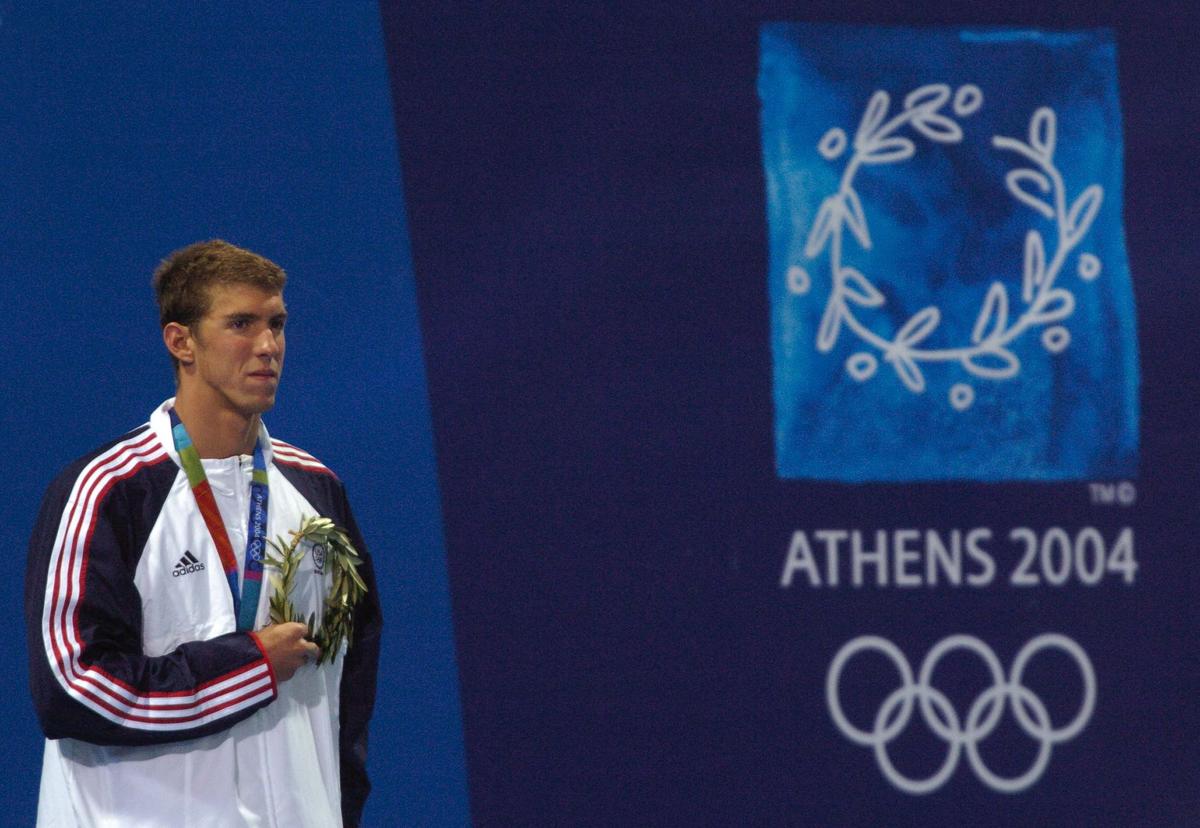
{"points": [[166, 695]]}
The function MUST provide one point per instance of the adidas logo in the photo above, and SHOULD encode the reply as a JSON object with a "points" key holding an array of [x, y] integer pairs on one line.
{"points": [[187, 565]]}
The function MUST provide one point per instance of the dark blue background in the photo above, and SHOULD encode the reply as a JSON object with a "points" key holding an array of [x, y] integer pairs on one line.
{"points": [[586, 200]]}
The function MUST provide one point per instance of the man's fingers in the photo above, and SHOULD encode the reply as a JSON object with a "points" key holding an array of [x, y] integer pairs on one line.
{"points": [[295, 630], [311, 652], [287, 647]]}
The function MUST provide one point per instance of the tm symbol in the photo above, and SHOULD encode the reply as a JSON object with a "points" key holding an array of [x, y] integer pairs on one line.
{"points": [[1108, 494]]}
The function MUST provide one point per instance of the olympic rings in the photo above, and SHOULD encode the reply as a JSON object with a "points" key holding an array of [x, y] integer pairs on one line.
{"points": [[943, 719]]}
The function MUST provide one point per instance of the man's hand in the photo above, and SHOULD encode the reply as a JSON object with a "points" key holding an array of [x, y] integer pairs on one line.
{"points": [[287, 648]]}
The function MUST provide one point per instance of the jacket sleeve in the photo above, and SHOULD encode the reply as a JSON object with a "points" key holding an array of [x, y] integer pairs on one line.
{"points": [[357, 699], [89, 678]]}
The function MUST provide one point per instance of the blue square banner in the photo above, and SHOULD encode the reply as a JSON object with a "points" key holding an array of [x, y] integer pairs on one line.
{"points": [[950, 293]]}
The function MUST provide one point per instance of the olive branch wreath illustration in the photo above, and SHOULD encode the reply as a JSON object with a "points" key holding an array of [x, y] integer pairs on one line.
{"points": [[1039, 186]]}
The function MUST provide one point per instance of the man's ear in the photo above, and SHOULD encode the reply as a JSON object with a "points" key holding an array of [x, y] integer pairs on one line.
{"points": [[178, 339]]}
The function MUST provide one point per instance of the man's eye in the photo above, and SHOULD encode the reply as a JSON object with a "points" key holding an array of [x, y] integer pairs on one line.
{"points": [[239, 324]]}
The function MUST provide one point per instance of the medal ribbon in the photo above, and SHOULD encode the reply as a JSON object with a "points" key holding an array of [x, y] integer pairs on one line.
{"points": [[245, 600]]}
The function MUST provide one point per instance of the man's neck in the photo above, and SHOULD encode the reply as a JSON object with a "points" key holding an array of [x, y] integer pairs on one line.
{"points": [[218, 432]]}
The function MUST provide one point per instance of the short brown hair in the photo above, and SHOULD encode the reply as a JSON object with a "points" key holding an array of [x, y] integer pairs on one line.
{"points": [[183, 279]]}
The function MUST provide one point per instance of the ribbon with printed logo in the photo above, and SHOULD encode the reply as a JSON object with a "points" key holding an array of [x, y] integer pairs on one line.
{"points": [[245, 599]]}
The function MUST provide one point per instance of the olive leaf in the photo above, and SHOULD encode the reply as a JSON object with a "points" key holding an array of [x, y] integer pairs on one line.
{"points": [[993, 316], [872, 118], [1015, 179], [1043, 129]]}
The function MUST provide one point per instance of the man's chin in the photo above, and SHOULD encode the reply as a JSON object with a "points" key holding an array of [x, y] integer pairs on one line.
{"points": [[258, 404]]}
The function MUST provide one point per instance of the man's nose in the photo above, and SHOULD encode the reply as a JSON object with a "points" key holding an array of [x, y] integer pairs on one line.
{"points": [[268, 343]]}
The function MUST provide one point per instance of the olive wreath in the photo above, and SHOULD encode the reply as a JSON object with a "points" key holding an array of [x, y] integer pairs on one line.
{"points": [[346, 590], [1039, 186]]}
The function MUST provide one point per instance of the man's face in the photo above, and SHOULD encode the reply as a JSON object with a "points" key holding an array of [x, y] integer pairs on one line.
{"points": [[238, 349]]}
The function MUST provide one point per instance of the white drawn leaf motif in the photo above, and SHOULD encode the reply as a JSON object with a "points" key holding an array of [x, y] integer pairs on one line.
{"points": [[993, 316], [929, 97], [938, 128], [994, 363], [859, 289], [889, 151], [921, 325], [1013, 182], [1083, 213], [1043, 131], [872, 117], [907, 370], [855, 219], [1054, 305], [1035, 264], [822, 227], [831, 324]]}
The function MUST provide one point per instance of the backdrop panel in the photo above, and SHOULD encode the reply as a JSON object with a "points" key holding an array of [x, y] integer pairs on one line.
{"points": [[683, 592]]}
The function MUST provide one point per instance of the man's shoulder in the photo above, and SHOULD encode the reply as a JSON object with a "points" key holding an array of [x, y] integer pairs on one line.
{"points": [[93, 474], [311, 478], [136, 448], [297, 459]]}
